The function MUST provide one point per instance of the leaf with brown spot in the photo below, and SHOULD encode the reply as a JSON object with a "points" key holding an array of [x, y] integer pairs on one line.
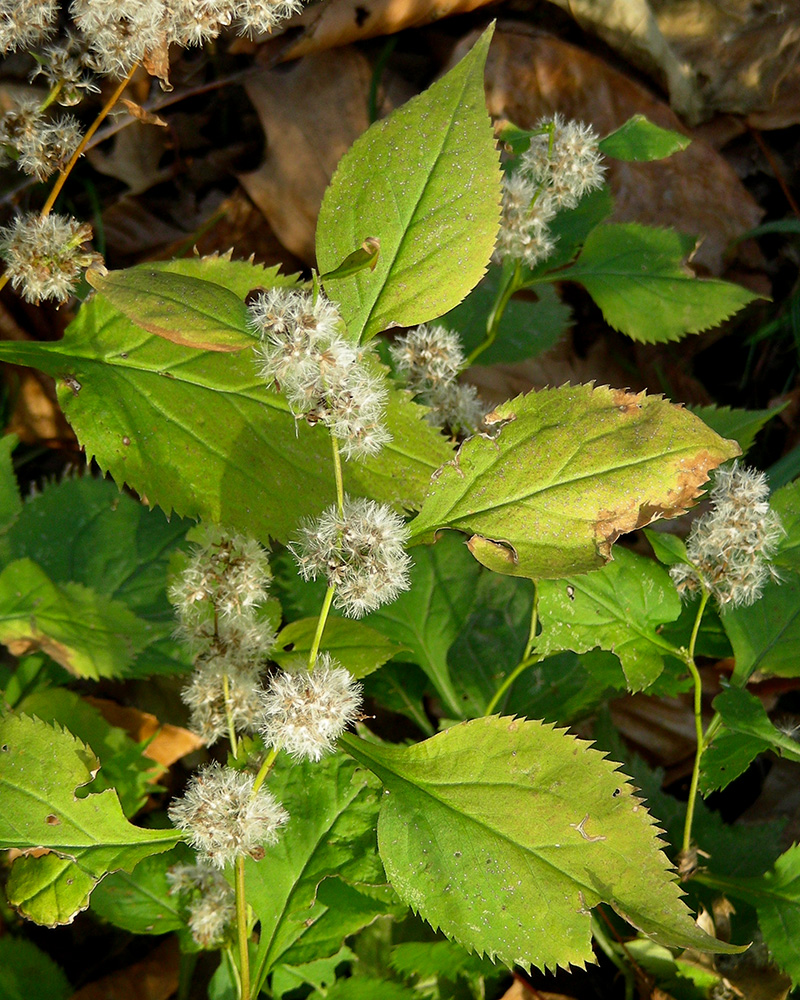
{"points": [[570, 470]]}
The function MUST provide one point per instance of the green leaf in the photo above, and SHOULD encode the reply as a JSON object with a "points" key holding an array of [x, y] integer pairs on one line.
{"points": [[186, 310], [355, 645], [333, 809], [639, 139], [49, 890], [786, 503], [528, 327], [41, 767], [85, 530], [10, 502], [199, 433], [28, 973], [766, 635], [431, 959], [140, 901], [88, 634], [123, 765], [401, 688], [619, 608], [566, 687], [429, 617], [396, 184], [741, 425], [776, 897], [748, 733], [637, 277], [363, 988], [668, 549], [505, 833], [570, 229], [568, 472], [319, 973]]}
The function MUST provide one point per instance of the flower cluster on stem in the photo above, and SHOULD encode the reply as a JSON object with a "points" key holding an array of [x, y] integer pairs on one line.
{"points": [[325, 377], [730, 546], [208, 899], [560, 166], [428, 359]]}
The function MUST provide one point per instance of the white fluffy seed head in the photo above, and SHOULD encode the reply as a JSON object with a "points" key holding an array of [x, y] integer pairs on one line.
{"points": [[525, 232], [427, 357], [305, 713], [361, 552], [222, 818], [455, 406], [219, 689], [24, 24], [730, 546], [209, 900], [44, 257], [565, 165]]}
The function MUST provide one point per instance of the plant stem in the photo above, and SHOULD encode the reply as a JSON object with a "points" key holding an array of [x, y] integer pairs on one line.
{"points": [[242, 930], [337, 471], [495, 316], [323, 617], [698, 724], [263, 771], [104, 111], [528, 658], [226, 691]]}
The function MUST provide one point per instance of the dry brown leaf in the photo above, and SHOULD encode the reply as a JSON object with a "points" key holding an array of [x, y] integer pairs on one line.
{"points": [[519, 990], [154, 978], [170, 742], [311, 114], [746, 54], [630, 27], [135, 157], [694, 191], [142, 114], [133, 230], [335, 23]]}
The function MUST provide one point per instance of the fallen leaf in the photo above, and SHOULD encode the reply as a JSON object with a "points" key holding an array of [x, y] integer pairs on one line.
{"points": [[306, 138], [169, 744], [135, 157], [695, 191], [339, 22]]}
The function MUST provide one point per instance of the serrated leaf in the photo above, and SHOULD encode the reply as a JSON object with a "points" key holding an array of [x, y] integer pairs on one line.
{"points": [[786, 504], [88, 532], [28, 973], [431, 959], [766, 635], [637, 277], [140, 901], [88, 634], [333, 810], [565, 687], [570, 470], [396, 184], [41, 767], [640, 140], [748, 732], [429, 616], [741, 425], [776, 898], [198, 432], [570, 229], [365, 988], [505, 834], [355, 645], [619, 608], [123, 765], [319, 973], [527, 328], [48, 890], [186, 310]]}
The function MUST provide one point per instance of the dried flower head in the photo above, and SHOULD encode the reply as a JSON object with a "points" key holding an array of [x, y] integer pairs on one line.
{"points": [[42, 144], [260, 16], [209, 901], [221, 689], [222, 817], [361, 552], [325, 378], [731, 545], [525, 227], [564, 162], [427, 356], [44, 256], [455, 406], [305, 713], [24, 24]]}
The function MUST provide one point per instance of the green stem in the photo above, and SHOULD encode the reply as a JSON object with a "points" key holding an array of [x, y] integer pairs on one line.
{"points": [[323, 617], [226, 690], [263, 771], [337, 471], [512, 285], [698, 724], [242, 930], [528, 657]]}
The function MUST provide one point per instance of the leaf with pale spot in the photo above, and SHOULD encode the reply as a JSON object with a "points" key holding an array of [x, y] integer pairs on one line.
{"points": [[505, 834]]}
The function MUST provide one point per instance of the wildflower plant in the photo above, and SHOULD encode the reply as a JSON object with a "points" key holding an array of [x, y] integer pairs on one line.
{"points": [[347, 546]]}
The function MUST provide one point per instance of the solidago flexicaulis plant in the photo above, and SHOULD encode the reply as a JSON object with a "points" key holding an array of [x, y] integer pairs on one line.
{"points": [[335, 496]]}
